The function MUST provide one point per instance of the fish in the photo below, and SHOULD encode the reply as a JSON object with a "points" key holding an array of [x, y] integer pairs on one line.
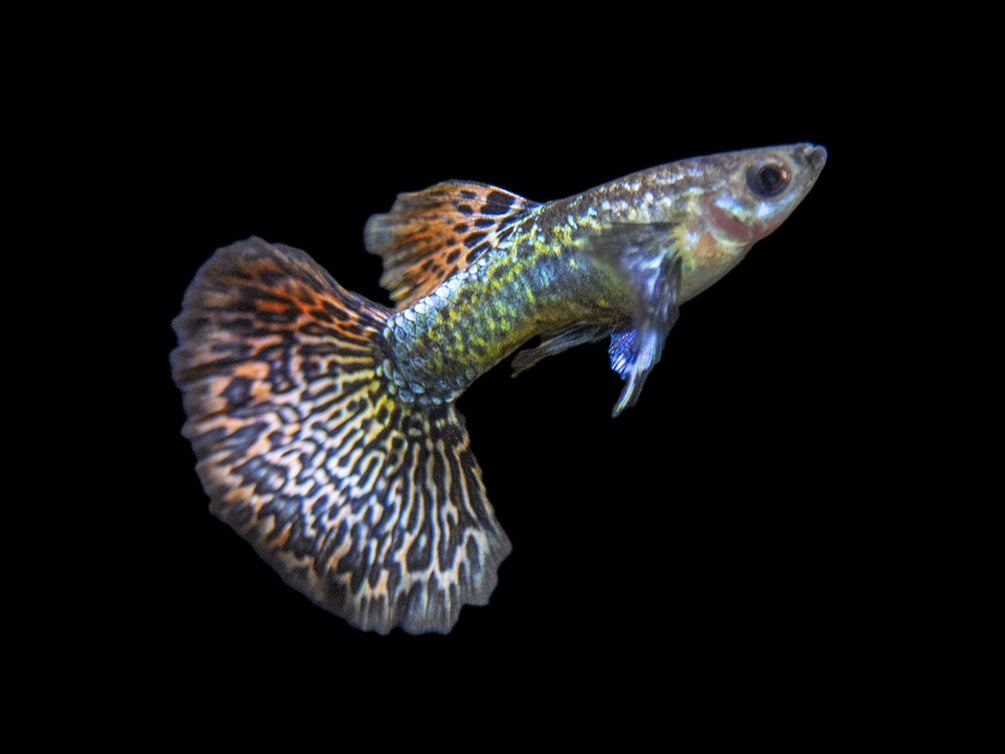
{"points": [[325, 424]]}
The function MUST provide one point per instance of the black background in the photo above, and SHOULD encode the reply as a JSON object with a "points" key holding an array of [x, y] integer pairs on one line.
{"points": [[711, 537]]}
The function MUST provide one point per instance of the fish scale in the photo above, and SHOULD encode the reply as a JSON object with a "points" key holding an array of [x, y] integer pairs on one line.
{"points": [[324, 423]]}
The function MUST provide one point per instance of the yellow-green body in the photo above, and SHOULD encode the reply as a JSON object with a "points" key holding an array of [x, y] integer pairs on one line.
{"points": [[535, 284], [609, 259]]}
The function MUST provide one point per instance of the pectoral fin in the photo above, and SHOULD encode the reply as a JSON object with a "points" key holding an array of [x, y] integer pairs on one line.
{"points": [[646, 255], [634, 352]]}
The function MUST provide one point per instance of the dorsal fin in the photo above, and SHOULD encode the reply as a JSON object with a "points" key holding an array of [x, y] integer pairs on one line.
{"points": [[432, 234]]}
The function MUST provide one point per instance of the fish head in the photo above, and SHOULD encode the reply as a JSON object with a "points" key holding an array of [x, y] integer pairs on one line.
{"points": [[748, 195]]}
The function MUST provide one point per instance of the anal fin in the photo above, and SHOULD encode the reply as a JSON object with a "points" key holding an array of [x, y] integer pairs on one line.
{"points": [[563, 340]]}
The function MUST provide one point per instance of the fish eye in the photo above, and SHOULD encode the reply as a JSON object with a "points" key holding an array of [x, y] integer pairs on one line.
{"points": [[767, 176]]}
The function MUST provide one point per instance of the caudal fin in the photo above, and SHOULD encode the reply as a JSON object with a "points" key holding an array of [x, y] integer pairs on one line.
{"points": [[373, 508]]}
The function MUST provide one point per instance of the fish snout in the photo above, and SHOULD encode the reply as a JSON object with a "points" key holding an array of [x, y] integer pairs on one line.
{"points": [[813, 156]]}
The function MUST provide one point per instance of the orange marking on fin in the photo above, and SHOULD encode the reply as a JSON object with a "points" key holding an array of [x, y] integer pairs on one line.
{"points": [[274, 307]]}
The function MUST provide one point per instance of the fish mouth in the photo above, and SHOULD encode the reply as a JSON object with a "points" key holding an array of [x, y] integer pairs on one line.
{"points": [[813, 156]]}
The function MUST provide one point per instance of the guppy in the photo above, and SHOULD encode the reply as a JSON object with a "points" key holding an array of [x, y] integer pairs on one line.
{"points": [[324, 423]]}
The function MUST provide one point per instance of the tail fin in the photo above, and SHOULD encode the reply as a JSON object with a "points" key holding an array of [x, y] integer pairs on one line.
{"points": [[372, 508]]}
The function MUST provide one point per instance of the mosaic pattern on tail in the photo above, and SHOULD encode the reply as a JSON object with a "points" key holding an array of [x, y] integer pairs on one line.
{"points": [[373, 509]]}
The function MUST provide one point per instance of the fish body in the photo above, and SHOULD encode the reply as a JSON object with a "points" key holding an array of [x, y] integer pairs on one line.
{"points": [[325, 424]]}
